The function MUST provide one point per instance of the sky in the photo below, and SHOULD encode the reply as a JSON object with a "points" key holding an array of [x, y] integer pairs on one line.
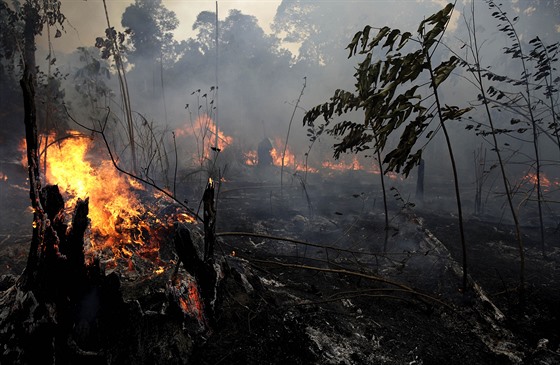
{"points": [[86, 19], [252, 105]]}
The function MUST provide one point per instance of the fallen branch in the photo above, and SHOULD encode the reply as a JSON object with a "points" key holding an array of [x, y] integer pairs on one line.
{"points": [[299, 242], [375, 278]]}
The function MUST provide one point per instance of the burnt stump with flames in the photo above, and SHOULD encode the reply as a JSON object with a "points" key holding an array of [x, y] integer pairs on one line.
{"points": [[79, 304]]}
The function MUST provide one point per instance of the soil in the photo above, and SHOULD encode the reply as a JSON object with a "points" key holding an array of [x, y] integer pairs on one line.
{"points": [[285, 302]]}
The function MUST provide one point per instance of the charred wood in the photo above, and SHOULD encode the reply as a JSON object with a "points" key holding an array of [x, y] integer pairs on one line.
{"points": [[27, 84], [420, 182], [209, 222], [190, 255]]}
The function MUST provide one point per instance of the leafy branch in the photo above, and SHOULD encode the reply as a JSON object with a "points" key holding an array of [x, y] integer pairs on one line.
{"points": [[388, 92]]}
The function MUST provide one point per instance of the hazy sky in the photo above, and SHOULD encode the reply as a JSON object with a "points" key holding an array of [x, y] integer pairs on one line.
{"points": [[86, 19]]}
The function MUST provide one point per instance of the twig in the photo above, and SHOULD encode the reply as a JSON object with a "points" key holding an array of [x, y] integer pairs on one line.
{"points": [[379, 279], [288, 134], [292, 240], [102, 133], [176, 158]]}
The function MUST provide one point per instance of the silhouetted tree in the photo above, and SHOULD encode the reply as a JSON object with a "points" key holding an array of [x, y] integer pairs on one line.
{"points": [[152, 26]]}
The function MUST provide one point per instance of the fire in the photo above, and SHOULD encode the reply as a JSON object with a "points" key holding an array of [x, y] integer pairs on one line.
{"points": [[119, 221], [189, 299], [532, 178], [251, 158], [115, 210], [546, 183], [393, 176], [184, 218], [3, 177], [354, 165], [276, 153], [22, 148], [204, 130], [290, 161]]}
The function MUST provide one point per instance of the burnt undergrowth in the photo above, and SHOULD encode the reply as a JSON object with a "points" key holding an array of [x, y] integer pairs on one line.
{"points": [[312, 280]]}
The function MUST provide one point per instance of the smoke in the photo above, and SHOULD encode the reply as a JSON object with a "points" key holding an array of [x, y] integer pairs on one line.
{"points": [[259, 70]]}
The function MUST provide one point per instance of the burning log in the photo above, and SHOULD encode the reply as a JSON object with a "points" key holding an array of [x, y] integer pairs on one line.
{"points": [[72, 312], [203, 272]]}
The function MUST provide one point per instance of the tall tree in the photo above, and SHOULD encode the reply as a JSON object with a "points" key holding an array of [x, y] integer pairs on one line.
{"points": [[152, 26], [320, 29], [309, 24], [389, 93], [251, 65], [28, 20]]}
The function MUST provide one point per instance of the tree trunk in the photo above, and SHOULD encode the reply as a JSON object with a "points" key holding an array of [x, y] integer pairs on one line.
{"points": [[27, 83], [420, 182]]}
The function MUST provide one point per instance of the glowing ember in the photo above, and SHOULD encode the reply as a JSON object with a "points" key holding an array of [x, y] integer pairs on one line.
{"points": [[184, 218], [532, 178], [3, 177], [189, 299]]}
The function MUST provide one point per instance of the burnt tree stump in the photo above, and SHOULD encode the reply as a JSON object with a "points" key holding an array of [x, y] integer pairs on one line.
{"points": [[190, 255], [41, 317], [209, 217]]}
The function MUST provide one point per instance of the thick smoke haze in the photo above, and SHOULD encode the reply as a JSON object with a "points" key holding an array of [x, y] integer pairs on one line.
{"points": [[266, 49]]}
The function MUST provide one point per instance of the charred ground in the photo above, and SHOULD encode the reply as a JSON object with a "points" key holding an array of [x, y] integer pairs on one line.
{"points": [[287, 302]]}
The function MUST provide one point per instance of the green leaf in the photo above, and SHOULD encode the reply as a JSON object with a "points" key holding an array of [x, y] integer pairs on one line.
{"points": [[375, 41], [365, 37], [444, 70], [391, 39], [354, 44], [404, 39]]}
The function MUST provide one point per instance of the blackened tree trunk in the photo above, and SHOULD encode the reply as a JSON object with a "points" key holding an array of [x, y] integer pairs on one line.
{"points": [[209, 222], [27, 83], [420, 182]]}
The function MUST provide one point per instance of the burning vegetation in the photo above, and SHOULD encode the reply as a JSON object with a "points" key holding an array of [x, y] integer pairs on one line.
{"points": [[153, 238]]}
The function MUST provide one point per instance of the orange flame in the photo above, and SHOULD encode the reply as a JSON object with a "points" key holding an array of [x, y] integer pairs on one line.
{"points": [[251, 158], [532, 178], [546, 183], [114, 209], [119, 222], [3, 177], [354, 165], [22, 148], [276, 153], [190, 300], [204, 130]]}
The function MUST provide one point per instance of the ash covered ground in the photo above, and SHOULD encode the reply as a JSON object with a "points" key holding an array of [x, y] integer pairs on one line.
{"points": [[327, 303]]}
